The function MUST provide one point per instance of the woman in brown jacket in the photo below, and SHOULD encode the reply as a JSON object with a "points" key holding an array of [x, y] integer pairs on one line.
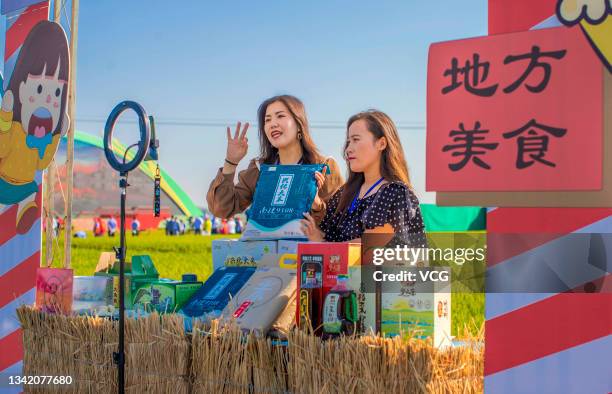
{"points": [[284, 138]]}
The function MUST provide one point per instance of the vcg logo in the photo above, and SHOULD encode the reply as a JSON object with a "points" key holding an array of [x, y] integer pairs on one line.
{"points": [[282, 190]]}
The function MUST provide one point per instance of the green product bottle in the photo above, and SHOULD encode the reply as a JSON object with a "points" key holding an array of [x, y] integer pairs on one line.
{"points": [[340, 309]]}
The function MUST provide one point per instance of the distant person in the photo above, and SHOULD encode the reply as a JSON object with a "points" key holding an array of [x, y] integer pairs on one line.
{"points": [[112, 226], [239, 225], [102, 227], [168, 226], [99, 228], [181, 226], [96, 227], [174, 228], [231, 226], [208, 226], [135, 227], [216, 225], [197, 225], [80, 234], [56, 226]]}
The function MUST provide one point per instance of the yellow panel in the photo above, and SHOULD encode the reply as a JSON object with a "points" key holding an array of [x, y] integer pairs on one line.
{"points": [[601, 37]]}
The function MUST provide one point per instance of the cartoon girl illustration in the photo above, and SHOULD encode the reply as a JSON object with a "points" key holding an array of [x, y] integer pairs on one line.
{"points": [[33, 118]]}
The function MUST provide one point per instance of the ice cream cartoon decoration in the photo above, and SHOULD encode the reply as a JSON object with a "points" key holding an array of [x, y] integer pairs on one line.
{"points": [[594, 19], [33, 118]]}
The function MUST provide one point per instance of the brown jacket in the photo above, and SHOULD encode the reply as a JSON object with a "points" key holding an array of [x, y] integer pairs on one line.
{"points": [[226, 199]]}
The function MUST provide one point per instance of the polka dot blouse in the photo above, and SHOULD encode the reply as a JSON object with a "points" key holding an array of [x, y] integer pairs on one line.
{"points": [[393, 203]]}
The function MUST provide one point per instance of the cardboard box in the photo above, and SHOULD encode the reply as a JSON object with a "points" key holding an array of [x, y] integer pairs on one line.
{"points": [[213, 296], [235, 253], [410, 310], [417, 312], [407, 309], [319, 264], [287, 247], [164, 295], [140, 269], [282, 195], [422, 314], [90, 293], [420, 311]]}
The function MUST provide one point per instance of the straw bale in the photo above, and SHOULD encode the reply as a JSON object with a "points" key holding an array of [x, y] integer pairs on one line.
{"points": [[157, 352], [161, 358]]}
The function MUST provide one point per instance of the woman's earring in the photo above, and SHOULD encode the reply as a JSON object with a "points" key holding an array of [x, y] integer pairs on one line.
{"points": [[299, 135]]}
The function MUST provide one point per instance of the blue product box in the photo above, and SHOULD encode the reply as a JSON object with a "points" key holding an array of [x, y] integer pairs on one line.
{"points": [[282, 195], [215, 293]]}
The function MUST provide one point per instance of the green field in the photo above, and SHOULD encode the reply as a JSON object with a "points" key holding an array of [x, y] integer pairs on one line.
{"points": [[174, 256]]}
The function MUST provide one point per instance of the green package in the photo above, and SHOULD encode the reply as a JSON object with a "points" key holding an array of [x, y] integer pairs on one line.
{"points": [[163, 295]]}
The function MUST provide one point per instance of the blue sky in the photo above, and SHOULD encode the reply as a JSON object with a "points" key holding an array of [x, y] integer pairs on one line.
{"points": [[212, 63]]}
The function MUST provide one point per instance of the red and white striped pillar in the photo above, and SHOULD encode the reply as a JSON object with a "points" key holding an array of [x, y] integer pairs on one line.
{"points": [[547, 342], [19, 254]]}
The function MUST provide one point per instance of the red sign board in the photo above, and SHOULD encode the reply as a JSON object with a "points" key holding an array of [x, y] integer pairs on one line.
{"points": [[515, 112]]}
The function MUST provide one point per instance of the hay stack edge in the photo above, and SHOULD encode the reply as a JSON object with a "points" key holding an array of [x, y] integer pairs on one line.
{"points": [[162, 358]]}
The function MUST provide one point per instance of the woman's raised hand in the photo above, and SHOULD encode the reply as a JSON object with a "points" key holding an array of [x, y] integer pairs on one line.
{"points": [[238, 145]]}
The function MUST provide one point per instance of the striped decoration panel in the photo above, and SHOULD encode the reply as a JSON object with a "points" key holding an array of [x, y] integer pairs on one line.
{"points": [[538, 341], [20, 254]]}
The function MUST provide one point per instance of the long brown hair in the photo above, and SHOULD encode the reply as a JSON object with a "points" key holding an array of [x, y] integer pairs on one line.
{"points": [[392, 162], [268, 153], [43, 46]]}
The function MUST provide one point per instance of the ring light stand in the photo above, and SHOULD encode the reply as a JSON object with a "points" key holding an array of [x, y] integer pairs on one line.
{"points": [[147, 144]]}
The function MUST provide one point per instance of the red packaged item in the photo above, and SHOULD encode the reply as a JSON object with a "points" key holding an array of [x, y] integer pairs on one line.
{"points": [[319, 264], [54, 289]]}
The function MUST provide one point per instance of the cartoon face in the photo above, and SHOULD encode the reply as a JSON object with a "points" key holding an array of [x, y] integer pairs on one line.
{"points": [[41, 102]]}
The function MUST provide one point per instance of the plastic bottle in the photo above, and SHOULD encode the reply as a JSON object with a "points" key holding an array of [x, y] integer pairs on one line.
{"points": [[340, 309]]}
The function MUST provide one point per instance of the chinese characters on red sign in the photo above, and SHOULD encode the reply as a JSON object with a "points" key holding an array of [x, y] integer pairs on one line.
{"points": [[519, 111]]}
